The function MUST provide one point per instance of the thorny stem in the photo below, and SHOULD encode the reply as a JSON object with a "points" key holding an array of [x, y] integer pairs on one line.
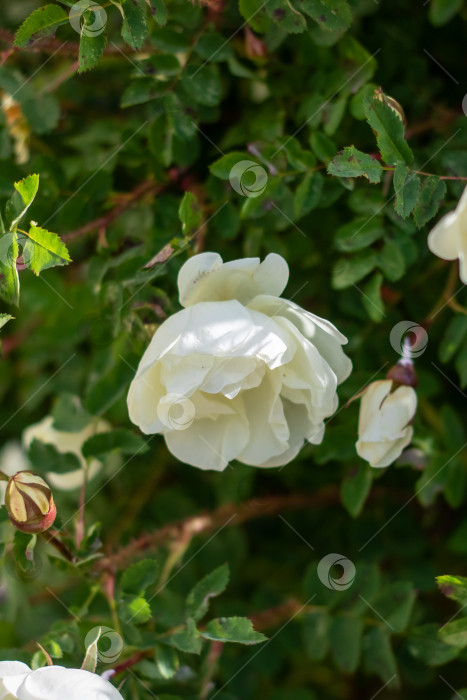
{"points": [[51, 537]]}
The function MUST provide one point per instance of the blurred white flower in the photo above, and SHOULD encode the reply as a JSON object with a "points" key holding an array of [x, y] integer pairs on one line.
{"points": [[250, 376], [18, 682], [66, 442], [448, 239], [383, 427]]}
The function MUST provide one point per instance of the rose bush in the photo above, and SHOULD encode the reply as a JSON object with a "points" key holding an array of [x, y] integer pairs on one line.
{"points": [[258, 372]]}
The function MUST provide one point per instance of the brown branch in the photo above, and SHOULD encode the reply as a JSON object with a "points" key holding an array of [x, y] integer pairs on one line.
{"points": [[51, 46], [231, 514], [146, 188]]}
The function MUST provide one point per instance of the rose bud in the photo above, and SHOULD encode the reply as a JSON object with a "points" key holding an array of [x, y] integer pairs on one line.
{"points": [[29, 502]]}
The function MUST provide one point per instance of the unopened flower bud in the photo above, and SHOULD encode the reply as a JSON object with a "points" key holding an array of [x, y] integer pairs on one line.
{"points": [[403, 373], [29, 502]]}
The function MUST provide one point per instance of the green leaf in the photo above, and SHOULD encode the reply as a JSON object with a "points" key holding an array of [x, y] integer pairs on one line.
{"points": [[407, 189], [23, 550], [42, 22], [232, 629], [167, 661], [330, 15], [68, 414], [22, 199], [353, 163], [254, 13], [391, 260], [135, 27], [138, 577], [455, 633], [91, 49], [284, 14], [4, 318], [453, 587], [394, 605], [431, 195], [372, 299], [349, 271], [222, 167], [441, 11], [358, 234], [213, 47], [213, 584], [322, 146], [90, 659], [9, 280], [389, 130], [136, 610], [46, 458], [190, 213], [452, 340], [355, 489], [203, 83], [308, 194], [316, 634], [187, 639], [345, 637], [44, 249], [424, 645], [121, 440], [158, 11], [379, 657]]}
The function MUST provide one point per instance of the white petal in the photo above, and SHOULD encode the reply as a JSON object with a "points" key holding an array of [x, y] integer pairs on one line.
{"points": [[193, 271], [215, 438], [269, 431], [385, 416], [205, 277], [12, 674], [382, 454], [442, 239], [272, 275], [322, 333], [58, 683]]}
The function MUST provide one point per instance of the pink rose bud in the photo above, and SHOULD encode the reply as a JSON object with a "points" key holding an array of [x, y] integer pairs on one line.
{"points": [[29, 502]]}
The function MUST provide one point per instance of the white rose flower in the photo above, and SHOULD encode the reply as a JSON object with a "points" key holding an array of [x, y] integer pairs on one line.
{"points": [[18, 682], [239, 373], [383, 427], [448, 239], [65, 441]]}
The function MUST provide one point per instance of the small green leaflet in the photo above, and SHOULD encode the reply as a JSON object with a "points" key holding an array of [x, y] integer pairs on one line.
{"points": [[158, 11], [389, 129], [431, 195], [4, 318], [44, 249], [42, 22], [22, 199], [331, 15], [190, 213], [120, 440], [134, 28], [406, 188], [9, 280], [213, 584], [353, 163], [91, 49], [232, 629]]}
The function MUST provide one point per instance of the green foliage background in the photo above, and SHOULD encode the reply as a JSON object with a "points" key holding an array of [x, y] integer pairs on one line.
{"points": [[117, 147]]}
